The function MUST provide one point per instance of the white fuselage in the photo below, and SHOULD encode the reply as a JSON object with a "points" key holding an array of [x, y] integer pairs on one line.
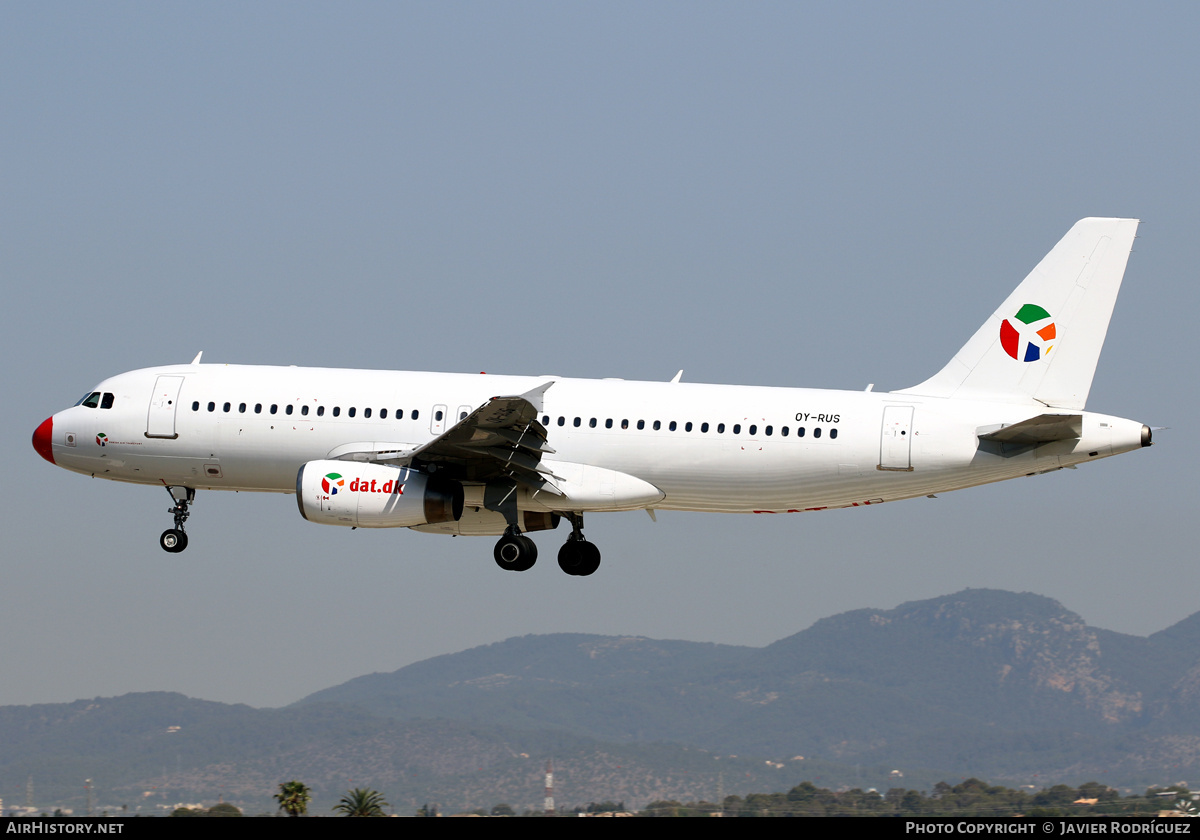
{"points": [[719, 448]]}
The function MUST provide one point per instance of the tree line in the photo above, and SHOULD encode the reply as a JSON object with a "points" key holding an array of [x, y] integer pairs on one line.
{"points": [[971, 798]]}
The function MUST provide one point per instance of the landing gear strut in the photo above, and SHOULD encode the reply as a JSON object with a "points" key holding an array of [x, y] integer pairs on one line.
{"points": [[174, 539], [514, 551], [578, 556]]}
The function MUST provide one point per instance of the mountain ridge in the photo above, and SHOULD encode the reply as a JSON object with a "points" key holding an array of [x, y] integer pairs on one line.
{"points": [[988, 683]]}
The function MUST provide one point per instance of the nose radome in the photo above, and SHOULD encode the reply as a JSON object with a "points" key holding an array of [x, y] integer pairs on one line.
{"points": [[41, 439]]}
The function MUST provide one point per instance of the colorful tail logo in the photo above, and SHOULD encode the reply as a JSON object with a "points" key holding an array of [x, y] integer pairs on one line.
{"points": [[1029, 335]]}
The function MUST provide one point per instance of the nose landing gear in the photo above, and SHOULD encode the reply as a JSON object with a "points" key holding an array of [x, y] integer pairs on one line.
{"points": [[174, 539]]}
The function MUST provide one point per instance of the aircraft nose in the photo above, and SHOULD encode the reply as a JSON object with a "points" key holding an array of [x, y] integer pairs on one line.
{"points": [[41, 439]]}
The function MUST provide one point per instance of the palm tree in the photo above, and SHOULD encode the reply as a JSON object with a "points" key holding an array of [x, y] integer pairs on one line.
{"points": [[293, 797], [361, 802]]}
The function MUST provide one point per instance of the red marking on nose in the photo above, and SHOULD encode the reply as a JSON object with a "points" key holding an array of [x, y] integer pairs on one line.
{"points": [[41, 439]]}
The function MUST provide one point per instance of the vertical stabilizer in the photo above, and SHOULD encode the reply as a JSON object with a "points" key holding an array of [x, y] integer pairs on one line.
{"points": [[1043, 343]]}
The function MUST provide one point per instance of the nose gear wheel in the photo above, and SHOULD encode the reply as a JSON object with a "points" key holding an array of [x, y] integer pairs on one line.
{"points": [[174, 539]]}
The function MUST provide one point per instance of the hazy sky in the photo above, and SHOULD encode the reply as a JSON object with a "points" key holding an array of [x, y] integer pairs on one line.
{"points": [[821, 195]]}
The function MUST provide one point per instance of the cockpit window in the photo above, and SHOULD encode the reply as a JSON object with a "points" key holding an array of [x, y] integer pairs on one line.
{"points": [[107, 400], [91, 400]]}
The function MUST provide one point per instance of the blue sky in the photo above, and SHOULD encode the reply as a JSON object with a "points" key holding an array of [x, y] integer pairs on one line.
{"points": [[820, 195]]}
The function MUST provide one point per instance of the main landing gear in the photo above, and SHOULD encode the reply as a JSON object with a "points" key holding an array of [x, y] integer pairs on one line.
{"points": [[578, 556], [515, 552], [174, 539]]}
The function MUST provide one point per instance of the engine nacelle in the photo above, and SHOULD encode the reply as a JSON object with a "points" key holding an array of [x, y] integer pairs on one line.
{"points": [[375, 495]]}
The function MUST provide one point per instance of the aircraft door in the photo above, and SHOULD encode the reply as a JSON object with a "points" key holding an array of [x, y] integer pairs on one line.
{"points": [[160, 420], [895, 441], [437, 419]]}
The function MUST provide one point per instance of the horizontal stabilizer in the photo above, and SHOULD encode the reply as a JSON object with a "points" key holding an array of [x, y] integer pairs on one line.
{"points": [[1040, 429]]}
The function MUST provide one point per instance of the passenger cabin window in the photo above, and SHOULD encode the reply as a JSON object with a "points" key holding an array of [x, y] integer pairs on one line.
{"points": [[320, 411], [196, 405], [753, 429], [592, 423], [288, 410], [673, 426], [833, 434], [226, 408], [687, 427], [415, 414], [720, 428], [367, 413], [242, 408], [624, 424], [657, 425], [351, 411], [817, 432], [337, 410], [768, 430], [562, 421], [608, 423], [274, 407], [784, 431], [258, 408], [641, 425], [437, 415], [304, 410], [212, 406]]}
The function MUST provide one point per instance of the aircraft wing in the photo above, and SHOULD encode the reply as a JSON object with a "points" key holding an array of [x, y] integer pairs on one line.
{"points": [[500, 439]]}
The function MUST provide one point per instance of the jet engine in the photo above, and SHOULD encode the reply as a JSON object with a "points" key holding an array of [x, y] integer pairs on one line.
{"points": [[375, 495]]}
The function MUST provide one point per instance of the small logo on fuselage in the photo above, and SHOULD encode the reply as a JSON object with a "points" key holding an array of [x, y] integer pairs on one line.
{"points": [[1029, 335], [101, 439], [332, 483]]}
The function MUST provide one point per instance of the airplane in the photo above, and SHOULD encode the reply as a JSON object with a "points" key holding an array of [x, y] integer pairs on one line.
{"points": [[479, 454]]}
